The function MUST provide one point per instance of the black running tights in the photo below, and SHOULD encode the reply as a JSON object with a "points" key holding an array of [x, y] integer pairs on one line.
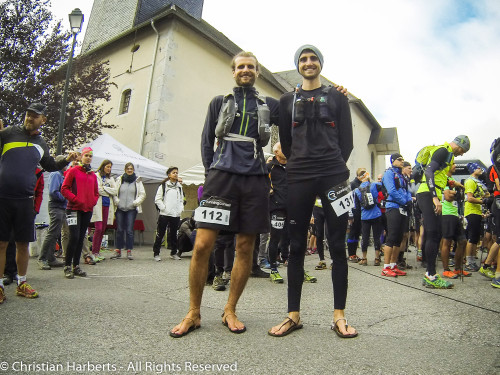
{"points": [[301, 198]]}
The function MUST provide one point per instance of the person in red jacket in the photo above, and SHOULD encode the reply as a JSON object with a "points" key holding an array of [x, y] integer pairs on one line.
{"points": [[80, 189]]}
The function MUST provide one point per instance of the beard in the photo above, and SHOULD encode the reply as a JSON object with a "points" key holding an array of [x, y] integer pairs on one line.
{"points": [[247, 82]]}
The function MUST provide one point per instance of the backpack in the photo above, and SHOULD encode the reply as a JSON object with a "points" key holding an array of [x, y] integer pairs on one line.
{"points": [[495, 152], [421, 160], [490, 181], [367, 199], [163, 193]]}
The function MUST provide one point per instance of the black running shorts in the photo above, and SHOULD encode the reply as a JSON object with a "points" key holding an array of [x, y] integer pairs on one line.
{"points": [[473, 228], [234, 203], [17, 216], [395, 226], [452, 228]]}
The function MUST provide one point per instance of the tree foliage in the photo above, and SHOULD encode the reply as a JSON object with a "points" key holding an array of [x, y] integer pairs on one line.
{"points": [[33, 55]]}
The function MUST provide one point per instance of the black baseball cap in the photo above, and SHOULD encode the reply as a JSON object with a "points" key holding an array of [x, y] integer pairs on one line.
{"points": [[39, 108]]}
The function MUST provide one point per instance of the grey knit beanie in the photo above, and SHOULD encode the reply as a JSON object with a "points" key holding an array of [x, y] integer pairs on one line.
{"points": [[305, 47]]}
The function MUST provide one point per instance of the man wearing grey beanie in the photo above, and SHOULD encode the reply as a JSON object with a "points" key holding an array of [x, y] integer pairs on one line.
{"points": [[317, 139]]}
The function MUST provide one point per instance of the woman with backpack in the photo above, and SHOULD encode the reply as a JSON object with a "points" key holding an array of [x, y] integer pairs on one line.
{"points": [[371, 216]]}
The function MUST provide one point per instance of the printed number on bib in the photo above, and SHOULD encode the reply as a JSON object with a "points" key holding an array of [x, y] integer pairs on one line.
{"points": [[341, 198], [277, 221], [213, 210], [72, 219], [402, 211]]}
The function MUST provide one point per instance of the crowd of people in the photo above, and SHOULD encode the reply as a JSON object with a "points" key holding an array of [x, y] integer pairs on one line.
{"points": [[268, 212]]}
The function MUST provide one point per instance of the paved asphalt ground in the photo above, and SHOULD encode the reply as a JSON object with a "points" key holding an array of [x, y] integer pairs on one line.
{"points": [[116, 321]]}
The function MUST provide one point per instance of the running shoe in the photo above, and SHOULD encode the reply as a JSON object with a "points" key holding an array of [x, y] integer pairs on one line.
{"points": [[463, 273], [389, 272], [68, 273], [264, 263], [419, 255], [226, 276], [487, 272], [2, 295], [321, 266], [129, 255], [43, 265], [89, 260], [496, 283], [56, 264], [218, 283], [98, 257], [257, 272], [398, 272], [175, 256], [116, 255], [437, 283], [77, 271], [157, 258], [25, 290], [376, 262], [354, 259], [314, 251], [471, 267], [275, 277], [308, 278], [450, 274]]}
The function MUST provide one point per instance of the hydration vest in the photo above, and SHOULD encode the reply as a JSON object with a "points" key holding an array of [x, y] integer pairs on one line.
{"points": [[229, 111], [440, 176], [311, 108], [368, 201]]}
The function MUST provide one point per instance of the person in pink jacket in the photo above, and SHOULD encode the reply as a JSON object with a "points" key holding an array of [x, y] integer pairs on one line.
{"points": [[80, 189]]}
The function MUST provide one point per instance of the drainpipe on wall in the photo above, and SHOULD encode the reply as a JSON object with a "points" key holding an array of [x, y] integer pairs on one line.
{"points": [[150, 85]]}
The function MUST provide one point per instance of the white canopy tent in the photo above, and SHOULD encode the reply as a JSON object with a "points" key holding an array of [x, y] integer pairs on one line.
{"points": [[106, 147]]}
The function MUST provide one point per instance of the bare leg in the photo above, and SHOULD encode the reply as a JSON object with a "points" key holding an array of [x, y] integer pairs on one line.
{"points": [[3, 253], [492, 254], [205, 240], [388, 254], [22, 258], [459, 254], [445, 252], [239, 277]]}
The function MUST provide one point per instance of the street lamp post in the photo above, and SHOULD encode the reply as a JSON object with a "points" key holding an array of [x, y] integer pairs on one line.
{"points": [[75, 21]]}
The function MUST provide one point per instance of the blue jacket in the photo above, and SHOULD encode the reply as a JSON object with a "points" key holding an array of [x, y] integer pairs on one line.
{"points": [[397, 188], [56, 199], [374, 212]]}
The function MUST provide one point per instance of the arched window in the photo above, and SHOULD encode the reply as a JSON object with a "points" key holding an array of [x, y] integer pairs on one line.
{"points": [[125, 102]]}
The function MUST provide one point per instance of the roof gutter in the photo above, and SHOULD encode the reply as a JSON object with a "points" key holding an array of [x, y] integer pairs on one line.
{"points": [[143, 131]]}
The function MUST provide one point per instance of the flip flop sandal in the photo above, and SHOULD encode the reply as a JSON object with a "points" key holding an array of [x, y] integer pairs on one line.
{"points": [[293, 327], [377, 262], [335, 328], [190, 329], [224, 322]]}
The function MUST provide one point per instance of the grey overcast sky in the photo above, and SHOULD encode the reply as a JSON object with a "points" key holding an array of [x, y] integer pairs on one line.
{"points": [[431, 68]]}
